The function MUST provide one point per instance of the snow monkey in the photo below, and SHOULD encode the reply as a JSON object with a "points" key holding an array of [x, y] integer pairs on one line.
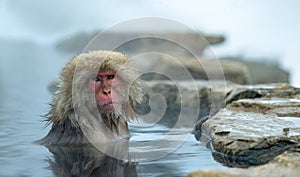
{"points": [[97, 93]]}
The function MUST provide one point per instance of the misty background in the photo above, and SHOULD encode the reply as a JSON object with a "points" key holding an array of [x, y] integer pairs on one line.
{"points": [[30, 30], [254, 30]]}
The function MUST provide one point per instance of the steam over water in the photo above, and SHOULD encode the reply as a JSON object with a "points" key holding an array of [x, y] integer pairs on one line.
{"points": [[29, 62], [253, 30]]}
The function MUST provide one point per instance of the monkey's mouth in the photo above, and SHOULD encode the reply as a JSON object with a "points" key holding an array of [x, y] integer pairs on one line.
{"points": [[110, 103], [109, 106]]}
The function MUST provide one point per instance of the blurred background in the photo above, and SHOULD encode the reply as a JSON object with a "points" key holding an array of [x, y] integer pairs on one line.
{"points": [[253, 30], [37, 38]]}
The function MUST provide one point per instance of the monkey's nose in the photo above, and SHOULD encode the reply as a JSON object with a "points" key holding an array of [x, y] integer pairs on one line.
{"points": [[106, 92]]}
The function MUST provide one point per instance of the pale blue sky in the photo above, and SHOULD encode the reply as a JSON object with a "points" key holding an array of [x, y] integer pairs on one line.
{"points": [[253, 28]]}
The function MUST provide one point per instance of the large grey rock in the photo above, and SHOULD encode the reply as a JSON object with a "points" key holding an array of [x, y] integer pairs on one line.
{"points": [[260, 125], [253, 131], [284, 165]]}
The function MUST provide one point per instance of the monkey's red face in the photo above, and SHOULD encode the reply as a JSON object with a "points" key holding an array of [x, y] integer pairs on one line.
{"points": [[105, 86]]}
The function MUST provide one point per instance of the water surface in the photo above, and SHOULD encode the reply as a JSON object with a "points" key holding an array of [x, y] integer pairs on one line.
{"points": [[25, 72]]}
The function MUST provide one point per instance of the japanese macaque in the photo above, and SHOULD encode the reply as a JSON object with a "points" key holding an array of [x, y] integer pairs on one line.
{"points": [[95, 99]]}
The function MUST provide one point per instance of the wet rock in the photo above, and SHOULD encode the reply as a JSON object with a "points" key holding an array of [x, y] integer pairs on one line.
{"points": [[262, 90], [197, 131], [243, 139], [269, 106], [252, 131], [242, 93], [284, 165]]}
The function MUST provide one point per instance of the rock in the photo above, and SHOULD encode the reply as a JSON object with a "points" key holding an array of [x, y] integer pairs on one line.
{"points": [[253, 131], [210, 173], [191, 99], [242, 93], [197, 131], [262, 72], [256, 91], [196, 41], [182, 68], [285, 165], [244, 139]]}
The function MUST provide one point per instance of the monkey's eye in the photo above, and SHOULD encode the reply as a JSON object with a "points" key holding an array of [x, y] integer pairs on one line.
{"points": [[110, 77], [97, 79]]}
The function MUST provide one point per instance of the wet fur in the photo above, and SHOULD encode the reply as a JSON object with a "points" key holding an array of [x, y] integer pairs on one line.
{"points": [[74, 76]]}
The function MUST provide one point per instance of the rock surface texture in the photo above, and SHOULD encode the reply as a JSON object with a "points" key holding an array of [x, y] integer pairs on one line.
{"points": [[192, 99], [259, 125], [284, 165], [262, 71]]}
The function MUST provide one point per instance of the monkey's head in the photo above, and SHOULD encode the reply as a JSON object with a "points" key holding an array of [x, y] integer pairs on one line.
{"points": [[104, 80]]}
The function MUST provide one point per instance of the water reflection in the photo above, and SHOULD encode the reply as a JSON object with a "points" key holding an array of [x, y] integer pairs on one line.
{"points": [[25, 75], [87, 161]]}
